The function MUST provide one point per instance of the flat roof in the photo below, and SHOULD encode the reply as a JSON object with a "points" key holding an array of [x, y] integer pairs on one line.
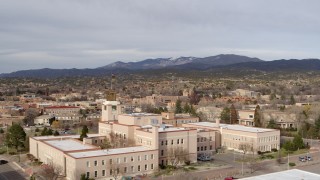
{"points": [[63, 137], [69, 145], [171, 129], [292, 174], [140, 114], [235, 127], [106, 152]]}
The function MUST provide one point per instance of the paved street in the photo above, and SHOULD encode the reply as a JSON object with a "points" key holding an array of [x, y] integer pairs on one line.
{"points": [[9, 171]]}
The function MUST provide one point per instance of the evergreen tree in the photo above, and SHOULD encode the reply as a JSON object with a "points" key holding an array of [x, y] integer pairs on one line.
{"points": [[84, 132], [178, 107], [257, 117], [186, 108], [225, 115], [49, 132], [292, 100], [44, 131], [15, 136], [233, 114], [298, 142], [272, 124], [193, 111], [56, 133]]}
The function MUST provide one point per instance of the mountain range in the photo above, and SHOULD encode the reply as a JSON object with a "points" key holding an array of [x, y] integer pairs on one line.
{"points": [[211, 63]]}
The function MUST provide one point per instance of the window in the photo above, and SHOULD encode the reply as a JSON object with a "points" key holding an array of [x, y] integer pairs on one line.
{"points": [[210, 138], [110, 171], [96, 141], [205, 148], [103, 172], [210, 147], [132, 159], [161, 143], [125, 159], [177, 141], [88, 163], [145, 157], [198, 148], [132, 168], [139, 158], [95, 163], [110, 161], [95, 173], [166, 142], [181, 141], [152, 156], [102, 162], [88, 174], [125, 170], [197, 139], [124, 136], [201, 148], [151, 166], [145, 167], [171, 141], [161, 152], [139, 169]]}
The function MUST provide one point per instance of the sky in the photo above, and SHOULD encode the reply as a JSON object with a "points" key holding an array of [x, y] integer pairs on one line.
{"points": [[92, 33]]}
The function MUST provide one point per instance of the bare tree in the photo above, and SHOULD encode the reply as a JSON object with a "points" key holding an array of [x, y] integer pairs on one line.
{"points": [[116, 170], [245, 147], [177, 155], [50, 171]]}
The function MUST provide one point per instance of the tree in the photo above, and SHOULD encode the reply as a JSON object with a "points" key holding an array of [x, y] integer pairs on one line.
{"points": [[30, 114], [233, 114], [84, 132], [272, 124], [245, 147], [49, 132], [186, 108], [225, 115], [44, 131], [298, 142], [292, 100], [50, 171], [257, 117], [55, 124], [178, 107], [1, 131], [51, 120], [56, 133], [15, 136], [177, 155], [288, 146]]}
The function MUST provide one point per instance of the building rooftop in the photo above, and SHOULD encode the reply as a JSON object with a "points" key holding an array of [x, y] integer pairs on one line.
{"points": [[171, 129], [106, 152], [141, 114], [293, 174], [60, 107], [63, 137], [69, 145], [235, 127]]}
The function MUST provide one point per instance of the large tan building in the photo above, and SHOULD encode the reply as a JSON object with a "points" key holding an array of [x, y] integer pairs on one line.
{"points": [[145, 141]]}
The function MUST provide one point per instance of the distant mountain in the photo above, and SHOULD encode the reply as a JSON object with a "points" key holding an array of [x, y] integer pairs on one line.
{"points": [[220, 63], [182, 62]]}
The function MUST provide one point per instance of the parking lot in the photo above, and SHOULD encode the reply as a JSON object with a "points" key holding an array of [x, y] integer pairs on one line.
{"points": [[8, 172]]}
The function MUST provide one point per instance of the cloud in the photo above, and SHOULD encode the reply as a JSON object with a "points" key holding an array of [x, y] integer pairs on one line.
{"points": [[82, 33]]}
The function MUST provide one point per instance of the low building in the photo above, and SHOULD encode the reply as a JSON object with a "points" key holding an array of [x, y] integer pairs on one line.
{"points": [[177, 119], [238, 137], [43, 120]]}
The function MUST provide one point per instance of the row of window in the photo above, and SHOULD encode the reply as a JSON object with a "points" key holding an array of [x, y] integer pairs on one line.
{"points": [[119, 170], [118, 160], [204, 139], [204, 148], [172, 142]]}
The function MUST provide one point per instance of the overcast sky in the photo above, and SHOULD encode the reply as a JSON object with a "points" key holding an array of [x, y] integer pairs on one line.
{"points": [[92, 33]]}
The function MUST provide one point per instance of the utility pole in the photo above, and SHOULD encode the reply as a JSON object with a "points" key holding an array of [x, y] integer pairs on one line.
{"points": [[288, 162]]}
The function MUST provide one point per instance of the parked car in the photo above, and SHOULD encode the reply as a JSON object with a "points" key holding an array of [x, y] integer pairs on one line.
{"points": [[308, 158], [302, 159], [204, 158], [3, 162], [230, 178]]}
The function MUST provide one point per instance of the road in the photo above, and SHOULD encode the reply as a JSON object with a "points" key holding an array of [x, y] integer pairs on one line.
{"points": [[10, 171]]}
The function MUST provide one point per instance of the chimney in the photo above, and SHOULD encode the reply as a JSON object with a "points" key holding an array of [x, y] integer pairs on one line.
{"points": [[218, 122]]}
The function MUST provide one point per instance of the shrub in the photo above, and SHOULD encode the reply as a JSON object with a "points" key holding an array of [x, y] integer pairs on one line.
{"points": [[274, 150], [187, 163], [260, 153], [192, 168], [292, 164], [12, 153]]}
